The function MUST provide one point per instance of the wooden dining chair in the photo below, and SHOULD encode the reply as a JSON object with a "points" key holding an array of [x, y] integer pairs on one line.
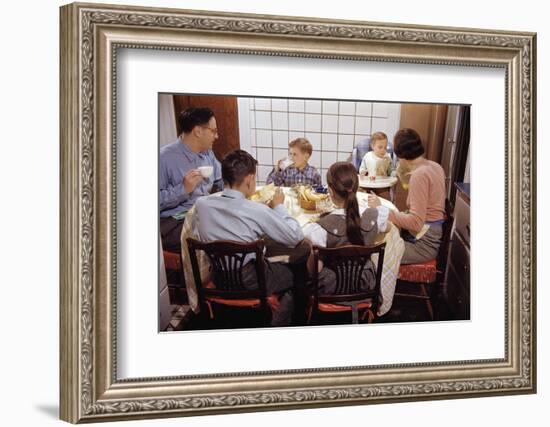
{"points": [[348, 262], [421, 281], [227, 287]]}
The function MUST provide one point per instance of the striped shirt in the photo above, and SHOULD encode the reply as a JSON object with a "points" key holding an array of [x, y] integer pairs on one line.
{"points": [[292, 175]]}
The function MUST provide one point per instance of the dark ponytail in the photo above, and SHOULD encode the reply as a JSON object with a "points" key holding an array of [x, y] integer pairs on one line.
{"points": [[353, 220], [342, 179]]}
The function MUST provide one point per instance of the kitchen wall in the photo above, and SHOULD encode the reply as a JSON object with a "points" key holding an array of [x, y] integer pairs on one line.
{"points": [[167, 122], [332, 127]]}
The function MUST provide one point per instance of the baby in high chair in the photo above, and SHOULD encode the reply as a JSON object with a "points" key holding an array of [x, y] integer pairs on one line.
{"points": [[377, 162]]}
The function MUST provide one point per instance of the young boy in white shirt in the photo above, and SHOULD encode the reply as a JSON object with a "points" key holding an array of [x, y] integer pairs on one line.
{"points": [[377, 162]]}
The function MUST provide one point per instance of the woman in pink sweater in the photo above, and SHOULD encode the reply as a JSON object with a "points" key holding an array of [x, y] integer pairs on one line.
{"points": [[425, 202]]}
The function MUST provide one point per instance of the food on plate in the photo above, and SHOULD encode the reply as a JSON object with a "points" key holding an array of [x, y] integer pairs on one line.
{"points": [[264, 194]]}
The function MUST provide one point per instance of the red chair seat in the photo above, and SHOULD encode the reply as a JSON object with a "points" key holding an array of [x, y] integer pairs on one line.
{"points": [[337, 308], [172, 260], [272, 300], [425, 272]]}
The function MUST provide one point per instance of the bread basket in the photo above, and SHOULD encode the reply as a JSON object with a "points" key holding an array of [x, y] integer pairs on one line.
{"points": [[308, 205]]}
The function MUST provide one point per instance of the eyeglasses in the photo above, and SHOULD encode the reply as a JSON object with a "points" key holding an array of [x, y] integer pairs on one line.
{"points": [[213, 130]]}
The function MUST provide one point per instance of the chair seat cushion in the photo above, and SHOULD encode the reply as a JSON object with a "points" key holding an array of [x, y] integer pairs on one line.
{"points": [[333, 308], [272, 300], [172, 260], [425, 272]]}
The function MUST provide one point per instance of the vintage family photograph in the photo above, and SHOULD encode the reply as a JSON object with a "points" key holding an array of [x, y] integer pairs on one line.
{"points": [[294, 212], [294, 191]]}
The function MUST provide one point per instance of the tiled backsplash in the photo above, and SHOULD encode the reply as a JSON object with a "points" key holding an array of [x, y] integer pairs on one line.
{"points": [[333, 127]]}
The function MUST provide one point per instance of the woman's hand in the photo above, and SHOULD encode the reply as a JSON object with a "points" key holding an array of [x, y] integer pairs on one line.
{"points": [[373, 200]]}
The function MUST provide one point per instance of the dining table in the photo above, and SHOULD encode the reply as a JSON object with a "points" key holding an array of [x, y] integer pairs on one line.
{"points": [[394, 250]]}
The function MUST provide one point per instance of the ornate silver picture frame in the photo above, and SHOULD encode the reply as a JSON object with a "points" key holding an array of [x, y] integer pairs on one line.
{"points": [[91, 36]]}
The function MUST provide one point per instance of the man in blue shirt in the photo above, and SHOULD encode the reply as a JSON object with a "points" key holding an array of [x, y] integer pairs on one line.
{"points": [[234, 217], [181, 182]]}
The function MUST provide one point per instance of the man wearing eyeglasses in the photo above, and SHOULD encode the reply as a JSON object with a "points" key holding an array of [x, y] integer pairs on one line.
{"points": [[188, 170]]}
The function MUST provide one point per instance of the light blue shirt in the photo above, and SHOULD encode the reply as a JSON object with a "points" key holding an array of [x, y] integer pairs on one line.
{"points": [[231, 216], [176, 160]]}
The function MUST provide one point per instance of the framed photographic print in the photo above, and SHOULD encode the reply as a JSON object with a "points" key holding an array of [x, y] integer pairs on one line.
{"points": [[293, 102]]}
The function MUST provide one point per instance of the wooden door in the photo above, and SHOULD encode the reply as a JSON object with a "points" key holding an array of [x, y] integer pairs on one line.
{"points": [[227, 118], [429, 121]]}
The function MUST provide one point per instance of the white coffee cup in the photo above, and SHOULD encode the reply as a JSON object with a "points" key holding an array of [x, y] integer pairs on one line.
{"points": [[206, 171]]}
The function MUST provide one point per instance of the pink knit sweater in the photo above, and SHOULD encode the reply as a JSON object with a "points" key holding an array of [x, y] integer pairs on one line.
{"points": [[426, 199]]}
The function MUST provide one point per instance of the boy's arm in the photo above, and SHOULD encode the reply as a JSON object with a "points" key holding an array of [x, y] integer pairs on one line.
{"points": [[276, 177]]}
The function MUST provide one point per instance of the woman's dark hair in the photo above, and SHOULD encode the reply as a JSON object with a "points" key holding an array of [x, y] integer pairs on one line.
{"points": [[407, 144], [236, 166], [342, 179], [194, 116]]}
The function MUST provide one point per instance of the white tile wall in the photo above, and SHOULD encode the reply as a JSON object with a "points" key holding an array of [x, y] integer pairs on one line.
{"points": [[343, 156], [347, 108], [313, 106], [364, 109], [280, 120], [253, 137], [315, 159], [265, 156], [280, 139], [296, 121], [332, 127], [279, 104], [382, 125], [263, 120], [263, 138], [296, 105], [292, 135], [362, 125], [252, 119], [263, 172], [315, 139], [346, 143], [330, 107], [380, 110], [262, 104], [346, 124], [329, 142], [330, 123], [313, 122], [327, 159]]}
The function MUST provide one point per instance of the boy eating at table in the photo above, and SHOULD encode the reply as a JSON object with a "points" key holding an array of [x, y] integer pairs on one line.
{"points": [[300, 171], [232, 216]]}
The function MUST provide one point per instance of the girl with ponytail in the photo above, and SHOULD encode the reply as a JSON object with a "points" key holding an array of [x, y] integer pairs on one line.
{"points": [[348, 223]]}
